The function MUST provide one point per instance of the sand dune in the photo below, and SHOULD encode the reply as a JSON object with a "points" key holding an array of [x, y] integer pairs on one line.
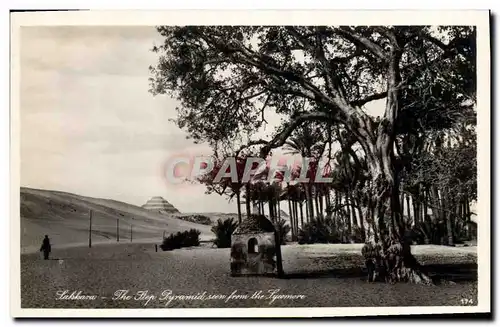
{"points": [[65, 218]]}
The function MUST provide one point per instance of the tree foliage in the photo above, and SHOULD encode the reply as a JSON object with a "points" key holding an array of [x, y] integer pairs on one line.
{"points": [[227, 77]]}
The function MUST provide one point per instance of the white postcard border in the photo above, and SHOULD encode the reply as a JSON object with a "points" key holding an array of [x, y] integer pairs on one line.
{"points": [[479, 18]]}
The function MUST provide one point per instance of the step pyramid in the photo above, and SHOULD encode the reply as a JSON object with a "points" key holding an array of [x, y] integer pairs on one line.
{"points": [[159, 204]]}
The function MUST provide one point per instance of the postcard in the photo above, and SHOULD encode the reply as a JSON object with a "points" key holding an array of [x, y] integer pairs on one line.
{"points": [[250, 163]]}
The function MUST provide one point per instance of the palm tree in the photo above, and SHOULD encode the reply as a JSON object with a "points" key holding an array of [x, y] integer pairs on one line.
{"points": [[308, 141]]}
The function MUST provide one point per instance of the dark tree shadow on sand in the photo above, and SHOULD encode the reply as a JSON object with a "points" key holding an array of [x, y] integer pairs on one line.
{"points": [[462, 272]]}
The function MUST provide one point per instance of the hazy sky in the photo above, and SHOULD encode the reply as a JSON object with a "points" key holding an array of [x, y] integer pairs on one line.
{"points": [[88, 123]]}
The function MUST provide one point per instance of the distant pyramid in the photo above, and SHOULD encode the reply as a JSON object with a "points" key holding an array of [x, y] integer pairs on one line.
{"points": [[159, 204]]}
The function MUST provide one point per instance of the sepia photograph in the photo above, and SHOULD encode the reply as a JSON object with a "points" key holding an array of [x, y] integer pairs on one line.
{"points": [[251, 164]]}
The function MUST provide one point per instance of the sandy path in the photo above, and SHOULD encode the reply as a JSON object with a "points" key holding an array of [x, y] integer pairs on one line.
{"points": [[324, 278]]}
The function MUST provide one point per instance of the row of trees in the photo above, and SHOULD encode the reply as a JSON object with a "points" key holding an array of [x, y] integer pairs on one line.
{"points": [[437, 188], [321, 80]]}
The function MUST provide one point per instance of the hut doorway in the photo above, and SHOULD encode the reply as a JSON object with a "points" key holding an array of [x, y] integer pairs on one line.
{"points": [[253, 246]]}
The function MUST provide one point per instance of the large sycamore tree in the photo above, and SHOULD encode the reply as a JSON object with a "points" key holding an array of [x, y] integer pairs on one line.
{"points": [[227, 78]]}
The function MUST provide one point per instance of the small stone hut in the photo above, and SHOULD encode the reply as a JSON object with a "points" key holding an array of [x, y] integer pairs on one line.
{"points": [[254, 248]]}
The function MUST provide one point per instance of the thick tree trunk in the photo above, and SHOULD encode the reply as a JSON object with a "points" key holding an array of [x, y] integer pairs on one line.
{"points": [[387, 251]]}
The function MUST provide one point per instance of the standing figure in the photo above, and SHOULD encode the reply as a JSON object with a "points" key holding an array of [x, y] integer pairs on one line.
{"points": [[45, 247]]}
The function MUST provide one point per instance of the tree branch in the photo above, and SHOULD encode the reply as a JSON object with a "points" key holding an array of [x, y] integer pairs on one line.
{"points": [[317, 52], [372, 97], [251, 96], [388, 33], [342, 60], [251, 143], [306, 89], [264, 107], [291, 82], [449, 49], [357, 39], [281, 138]]}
